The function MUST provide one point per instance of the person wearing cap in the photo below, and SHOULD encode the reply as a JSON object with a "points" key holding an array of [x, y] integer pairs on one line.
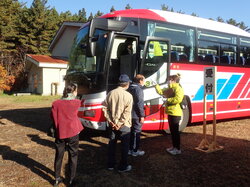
{"points": [[117, 108], [174, 111], [137, 115]]}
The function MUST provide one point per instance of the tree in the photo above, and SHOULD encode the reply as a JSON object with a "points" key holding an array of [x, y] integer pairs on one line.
{"points": [[98, 14], [65, 16], [112, 9], [232, 22], [219, 19], [90, 16], [6, 81], [194, 14], [9, 12], [164, 7], [180, 12], [242, 26], [128, 7], [82, 15]]}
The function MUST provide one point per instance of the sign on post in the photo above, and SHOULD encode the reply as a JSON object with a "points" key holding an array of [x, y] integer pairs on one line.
{"points": [[210, 88], [209, 80]]}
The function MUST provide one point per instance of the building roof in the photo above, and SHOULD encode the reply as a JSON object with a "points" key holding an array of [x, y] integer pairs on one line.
{"points": [[47, 61]]}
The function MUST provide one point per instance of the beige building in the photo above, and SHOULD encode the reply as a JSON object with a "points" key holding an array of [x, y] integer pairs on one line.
{"points": [[46, 73]]}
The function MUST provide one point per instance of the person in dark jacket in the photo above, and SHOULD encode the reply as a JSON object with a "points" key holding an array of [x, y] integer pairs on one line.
{"points": [[137, 115], [68, 126]]}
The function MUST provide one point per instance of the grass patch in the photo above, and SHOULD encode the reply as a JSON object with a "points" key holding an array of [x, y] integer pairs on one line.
{"points": [[4, 98]]}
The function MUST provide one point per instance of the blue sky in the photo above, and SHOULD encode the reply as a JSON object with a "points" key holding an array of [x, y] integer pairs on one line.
{"points": [[226, 9]]}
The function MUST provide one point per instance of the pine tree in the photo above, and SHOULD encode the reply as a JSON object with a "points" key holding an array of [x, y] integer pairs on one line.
{"points": [[66, 16], [194, 14], [9, 11], [232, 21], [98, 14], [39, 25], [112, 9], [164, 7], [219, 19], [82, 15], [90, 16], [242, 25], [128, 7]]}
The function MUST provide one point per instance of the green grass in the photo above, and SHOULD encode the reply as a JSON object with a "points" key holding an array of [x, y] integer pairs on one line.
{"points": [[27, 98]]}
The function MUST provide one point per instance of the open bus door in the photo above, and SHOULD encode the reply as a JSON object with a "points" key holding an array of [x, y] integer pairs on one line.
{"points": [[123, 59], [155, 67]]}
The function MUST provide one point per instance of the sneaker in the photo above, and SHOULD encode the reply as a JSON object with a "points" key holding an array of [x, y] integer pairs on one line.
{"points": [[57, 181], [110, 168], [169, 149], [138, 153], [130, 152], [128, 168], [73, 183], [175, 151]]}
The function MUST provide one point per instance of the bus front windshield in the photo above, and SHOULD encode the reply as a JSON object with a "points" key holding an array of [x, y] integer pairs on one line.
{"points": [[78, 60]]}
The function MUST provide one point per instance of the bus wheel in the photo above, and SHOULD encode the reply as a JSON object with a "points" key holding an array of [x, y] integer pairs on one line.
{"points": [[185, 119]]}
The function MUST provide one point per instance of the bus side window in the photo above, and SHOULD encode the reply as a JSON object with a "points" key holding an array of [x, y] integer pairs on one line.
{"points": [[209, 58], [174, 56], [183, 58], [242, 60], [247, 62], [225, 59], [200, 58]]}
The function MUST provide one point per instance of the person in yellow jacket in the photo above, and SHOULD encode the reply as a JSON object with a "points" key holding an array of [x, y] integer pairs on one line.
{"points": [[173, 109]]}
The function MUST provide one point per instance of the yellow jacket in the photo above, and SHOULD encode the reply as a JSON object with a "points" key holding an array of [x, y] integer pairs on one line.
{"points": [[173, 107]]}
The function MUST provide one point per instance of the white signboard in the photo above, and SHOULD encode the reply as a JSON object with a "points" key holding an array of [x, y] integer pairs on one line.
{"points": [[210, 80]]}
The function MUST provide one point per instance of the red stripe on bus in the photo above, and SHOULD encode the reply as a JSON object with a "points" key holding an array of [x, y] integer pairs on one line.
{"points": [[135, 13]]}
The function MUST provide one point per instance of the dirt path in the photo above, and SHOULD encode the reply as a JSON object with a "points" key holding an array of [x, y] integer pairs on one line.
{"points": [[27, 154]]}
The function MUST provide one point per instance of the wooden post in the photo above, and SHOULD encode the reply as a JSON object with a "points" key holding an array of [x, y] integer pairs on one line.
{"points": [[210, 87], [204, 143]]}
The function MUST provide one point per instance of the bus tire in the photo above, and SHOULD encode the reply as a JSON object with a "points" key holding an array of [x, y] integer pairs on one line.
{"points": [[185, 119]]}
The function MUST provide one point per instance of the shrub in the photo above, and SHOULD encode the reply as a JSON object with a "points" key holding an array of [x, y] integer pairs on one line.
{"points": [[6, 81]]}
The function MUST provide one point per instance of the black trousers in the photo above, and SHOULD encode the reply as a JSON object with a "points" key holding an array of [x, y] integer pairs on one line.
{"points": [[173, 122], [122, 134], [135, 135], [71, 145]]}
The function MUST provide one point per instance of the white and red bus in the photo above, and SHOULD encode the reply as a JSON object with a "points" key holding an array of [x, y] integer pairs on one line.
{"points": [[164, 43]]}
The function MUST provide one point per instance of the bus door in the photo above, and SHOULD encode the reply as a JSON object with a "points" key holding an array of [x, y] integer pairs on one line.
{"points": [[123, 59], [155, 67]]}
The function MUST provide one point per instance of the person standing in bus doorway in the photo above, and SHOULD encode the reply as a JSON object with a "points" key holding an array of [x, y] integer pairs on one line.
{"points": [[137, 115], [68, 126], [117, 110], [173, 109], [125, 48]]}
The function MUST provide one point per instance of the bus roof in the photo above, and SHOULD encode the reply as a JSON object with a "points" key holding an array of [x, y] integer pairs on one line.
{"points": [[182, 19]]}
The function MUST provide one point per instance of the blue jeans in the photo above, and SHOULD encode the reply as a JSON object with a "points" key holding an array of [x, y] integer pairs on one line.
{"points": [[135, 136], [122, 134]]}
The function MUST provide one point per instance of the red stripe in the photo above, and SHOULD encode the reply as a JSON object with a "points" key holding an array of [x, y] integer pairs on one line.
{"points": [[239, 88], [244, 94], [135, 13], [198, 67]]}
